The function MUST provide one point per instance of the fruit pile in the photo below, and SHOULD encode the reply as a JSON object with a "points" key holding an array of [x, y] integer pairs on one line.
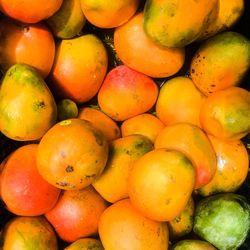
{"points": [[124, 125]]}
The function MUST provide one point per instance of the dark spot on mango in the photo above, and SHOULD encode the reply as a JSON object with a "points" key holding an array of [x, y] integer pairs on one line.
{"points": [[69, 169], [38, 105], [64, 184], [213, 85], [90, 176], [177, 219], [193, 71], [98, 139]]}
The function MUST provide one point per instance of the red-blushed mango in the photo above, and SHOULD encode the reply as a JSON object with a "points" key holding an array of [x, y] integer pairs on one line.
{"points": [[183, 223], [29, 11], [161, 183], [220, 62], [229, 12], [29, 233], [32, 44], [144, 124], [226, 114], [176, 23], [79, 68], [126, 93], [121, 226], [193, 245], [85, 244], [100, 121], [109, 13], [27, 107], [131, 37], [23, 189], [123, 153], [179, 101], [232, 167], [72, 154], [68, 21], [77, 213], [193, 142]]}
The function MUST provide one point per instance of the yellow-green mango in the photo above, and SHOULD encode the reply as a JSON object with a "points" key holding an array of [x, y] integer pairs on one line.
{"points": [[175, 23], [27, 107], [220, 62], [68, 21]]}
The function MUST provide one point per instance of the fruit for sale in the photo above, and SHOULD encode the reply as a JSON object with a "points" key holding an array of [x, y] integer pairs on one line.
{"points": [[229, 12], [68, 21], [220, 62], [123, 153], [161, 183], [24, 233], [109, 13], [66, 109], [223, 220], [177, 23], [101, 121], [32, 44], [29, 11], [179, 101], [23, 190], [183, 223], [86, 244], [226, 114], [144, 124], [27, 107], [79, 68], [193, 245], [138, 52], [72, 154], [77, 213], [126, 93], [232, 167], [193, 142], [121, 226]]}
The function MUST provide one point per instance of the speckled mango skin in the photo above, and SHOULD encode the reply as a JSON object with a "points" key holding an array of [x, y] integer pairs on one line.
{"points": [[183, 223], [27, 107], [177, 23], [29, 233], [68, 21], [86, 244], [229, 12], [225, 114], [113, 183], [220, 62]]}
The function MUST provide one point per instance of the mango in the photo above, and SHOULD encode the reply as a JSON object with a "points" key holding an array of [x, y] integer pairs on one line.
{"points": [[27, 107], [176, 23]]}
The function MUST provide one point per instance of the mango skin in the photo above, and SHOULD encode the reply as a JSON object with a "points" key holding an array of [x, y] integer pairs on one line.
{"points": [[27, 107], [176, 23], [229, 12], [68, 21], [29, 233], [86, 244], [223, 220], [193, 245], [220, 62], [112, 185]]}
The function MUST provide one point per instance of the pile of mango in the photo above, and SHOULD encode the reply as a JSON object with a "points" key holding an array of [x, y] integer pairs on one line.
{"points": [[124, 125]]}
